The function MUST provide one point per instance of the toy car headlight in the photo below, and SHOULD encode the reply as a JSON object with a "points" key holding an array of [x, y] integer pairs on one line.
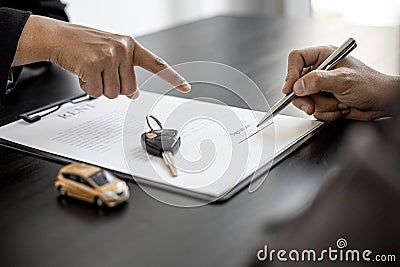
{"points": [[110, 194], [122, 185]]}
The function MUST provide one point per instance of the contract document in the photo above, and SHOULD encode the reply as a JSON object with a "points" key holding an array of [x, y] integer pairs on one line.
{"points": [[220, 145]]}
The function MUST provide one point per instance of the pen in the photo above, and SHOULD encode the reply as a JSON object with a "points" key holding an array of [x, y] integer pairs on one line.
{"points": [[328, 64]]}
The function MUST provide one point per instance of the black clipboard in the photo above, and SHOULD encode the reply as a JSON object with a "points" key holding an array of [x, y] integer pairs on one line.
{"points": [[34, 115]]}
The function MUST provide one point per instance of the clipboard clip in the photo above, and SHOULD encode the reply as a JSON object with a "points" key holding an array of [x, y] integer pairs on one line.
{"points": [[37, 114]]}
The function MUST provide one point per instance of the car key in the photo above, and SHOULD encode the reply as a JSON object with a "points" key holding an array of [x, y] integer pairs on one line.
{"points": [[162, 143]]}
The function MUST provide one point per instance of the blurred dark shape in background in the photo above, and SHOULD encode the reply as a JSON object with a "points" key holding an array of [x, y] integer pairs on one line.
{"points": [[360, 202]]}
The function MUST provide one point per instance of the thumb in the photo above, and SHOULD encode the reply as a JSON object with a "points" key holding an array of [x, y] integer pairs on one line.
{"points": [[315, 82]]}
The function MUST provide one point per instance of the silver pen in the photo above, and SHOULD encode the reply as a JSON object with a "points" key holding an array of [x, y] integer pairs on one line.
{"points": [[328, 64]]}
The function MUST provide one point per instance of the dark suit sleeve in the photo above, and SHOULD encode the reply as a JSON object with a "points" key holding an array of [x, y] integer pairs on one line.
{"points": [[12, 23], [48, 8], [16, 18]]}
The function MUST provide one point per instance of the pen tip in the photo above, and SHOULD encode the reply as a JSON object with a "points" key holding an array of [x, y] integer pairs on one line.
{"points": [[258, 125]]}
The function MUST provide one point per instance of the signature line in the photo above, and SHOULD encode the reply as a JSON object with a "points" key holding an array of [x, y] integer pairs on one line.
{"points": [[256, 132]]}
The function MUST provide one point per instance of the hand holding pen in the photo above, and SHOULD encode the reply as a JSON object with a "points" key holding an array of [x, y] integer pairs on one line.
{"points": [[357, 91], [329, 63]]}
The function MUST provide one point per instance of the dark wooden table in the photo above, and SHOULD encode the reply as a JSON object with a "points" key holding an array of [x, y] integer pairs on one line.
{"points": [[38, 230]]}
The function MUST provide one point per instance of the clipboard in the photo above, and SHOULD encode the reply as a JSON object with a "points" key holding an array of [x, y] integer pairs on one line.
{"points": [[52, 108]]}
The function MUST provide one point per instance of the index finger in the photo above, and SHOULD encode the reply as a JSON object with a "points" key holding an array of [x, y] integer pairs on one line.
{"points": [[149, 61], [304, 58]]}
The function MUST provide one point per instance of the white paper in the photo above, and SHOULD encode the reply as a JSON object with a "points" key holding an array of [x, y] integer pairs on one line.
{"points": [[215, 152]]}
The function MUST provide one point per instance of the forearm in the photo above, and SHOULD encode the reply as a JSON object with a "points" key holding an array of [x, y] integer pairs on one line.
{"points": [[37, 41]]}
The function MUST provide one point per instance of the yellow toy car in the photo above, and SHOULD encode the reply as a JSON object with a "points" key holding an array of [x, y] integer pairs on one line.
{"points": [[91, 184]]}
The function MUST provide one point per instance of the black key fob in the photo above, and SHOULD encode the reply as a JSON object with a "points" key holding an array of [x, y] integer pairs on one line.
{"points": [[156, 142]]}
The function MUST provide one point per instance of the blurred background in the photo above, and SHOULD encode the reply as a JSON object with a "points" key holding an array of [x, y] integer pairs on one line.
{"points": [[138, 17]]}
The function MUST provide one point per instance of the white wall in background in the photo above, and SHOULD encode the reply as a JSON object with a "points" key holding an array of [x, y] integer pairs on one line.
{"points": [[297, 8], [366, 12], [136, 17]]}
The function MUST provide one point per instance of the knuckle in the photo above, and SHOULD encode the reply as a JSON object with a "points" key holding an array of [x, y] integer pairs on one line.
{"points": [[369, 116], [160, 63], [344, 75], [129, 90], [110, 94], [122, 44], [294, 53], [131, 93], [126, 88], [104, 52], [95, 94], [331, 47], [128, 40], [320, 116], [298, 102], [344, 79], [107, 54], [315, 80], [91, 61], [292, 76], [97, 59], [327, 116], [321, 103], [91, 91]]}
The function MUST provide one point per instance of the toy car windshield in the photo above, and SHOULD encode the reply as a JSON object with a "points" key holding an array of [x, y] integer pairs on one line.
{"points": [[102, 177]]}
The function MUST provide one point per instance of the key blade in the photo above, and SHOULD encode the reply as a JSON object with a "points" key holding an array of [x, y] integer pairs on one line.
{"points": [[170, 163]]}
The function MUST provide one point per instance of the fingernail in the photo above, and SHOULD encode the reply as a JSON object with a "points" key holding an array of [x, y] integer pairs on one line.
{"points": [[298, 87], [185, 87], [342, 106], [345, 112], [135, 95]]}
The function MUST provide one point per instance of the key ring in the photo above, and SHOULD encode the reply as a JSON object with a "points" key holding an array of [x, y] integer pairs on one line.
{"points": [[155, 119]]}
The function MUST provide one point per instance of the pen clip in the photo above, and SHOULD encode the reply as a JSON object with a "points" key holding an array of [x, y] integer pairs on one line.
{"points": [[336, 55], [340, 56], [38, 114]]}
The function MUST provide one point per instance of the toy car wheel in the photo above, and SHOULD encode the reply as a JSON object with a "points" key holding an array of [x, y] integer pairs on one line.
{"points": [[62, 192], [99, 202]]}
